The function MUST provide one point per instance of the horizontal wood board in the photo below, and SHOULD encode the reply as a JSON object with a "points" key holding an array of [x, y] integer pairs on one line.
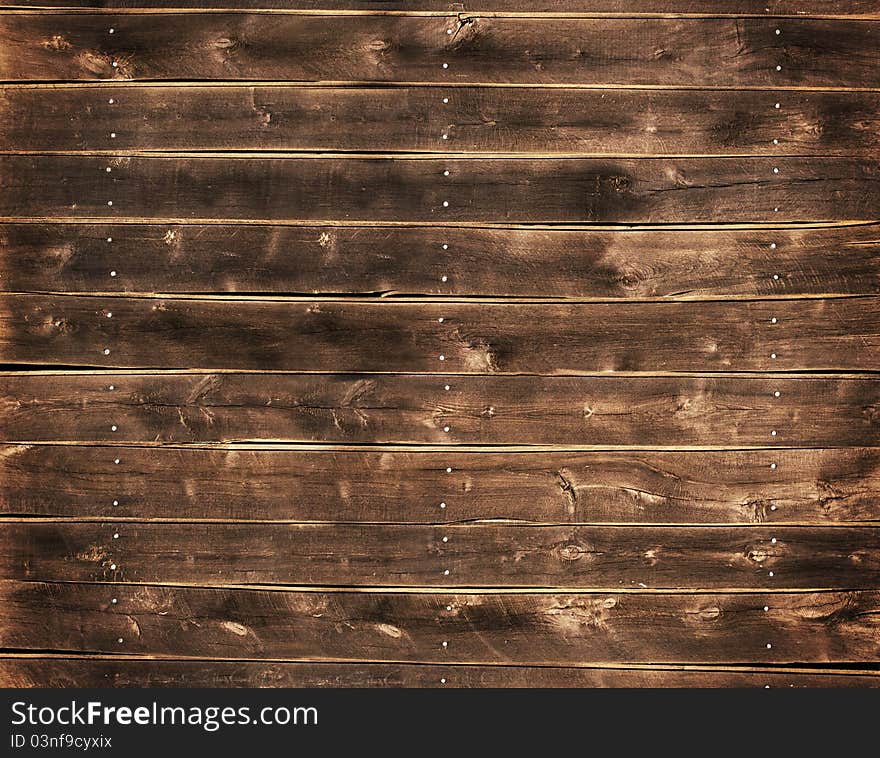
{"points": [[529, 120], [118, 671], [407, 189], [603, 411], [525, 628], [466, 555], [675, 264], [382, 485], [720, 52], [431, 337]]}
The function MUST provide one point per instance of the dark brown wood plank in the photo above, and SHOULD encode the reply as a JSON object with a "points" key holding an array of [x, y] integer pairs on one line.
{"points": [[624, 264], [376, 189], [525, 628], [436, 119], [722, 52], [574, 7], [600, 558], [387, 485], [597, 411], [57, 671], [456, 337]]}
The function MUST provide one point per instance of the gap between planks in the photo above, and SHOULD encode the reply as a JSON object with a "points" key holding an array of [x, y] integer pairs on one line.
{"points": [[18, 519], [425, 299], [50, 10], [537, 226], [442, 589], [863, 669], [159, 371], [393, 297], [246, 154], [369, 83]]}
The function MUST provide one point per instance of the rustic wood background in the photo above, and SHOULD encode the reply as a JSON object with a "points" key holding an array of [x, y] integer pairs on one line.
{"points": [[443, 344]]}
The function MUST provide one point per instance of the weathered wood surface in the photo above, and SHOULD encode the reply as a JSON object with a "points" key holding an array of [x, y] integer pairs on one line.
{"points": [[117, 671], [523, 628], [570, 7], [455, 337], [394, 260], [496, 190], [437, 119], [670, 411], [382, 485], [723, 52], [601, 558]]}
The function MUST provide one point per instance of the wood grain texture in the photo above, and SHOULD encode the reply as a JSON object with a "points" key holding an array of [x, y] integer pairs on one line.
{"points": [[525, 628], [392, 260], [119, 671], [721, 52], [683, 411], [387, 485], [375, 189], [415, 119], [606, 558], [457, 337], [573, 7]]}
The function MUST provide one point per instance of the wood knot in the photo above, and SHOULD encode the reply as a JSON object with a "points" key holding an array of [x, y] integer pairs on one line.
{"points": [[240, 630], [488, 412], [588, 412], [572, 552], [757, 555], [629, 280], [620, 184], [56, 42], [710, 614]]}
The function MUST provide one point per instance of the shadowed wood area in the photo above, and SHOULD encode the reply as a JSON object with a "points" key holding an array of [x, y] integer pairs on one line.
{"points": [[527, 628], [460, 337], [683, 411], [258, 484], [468, 555], [390, 260], [440, 120], [721, 52], [118, 671], [422, 343], [571, 190]]}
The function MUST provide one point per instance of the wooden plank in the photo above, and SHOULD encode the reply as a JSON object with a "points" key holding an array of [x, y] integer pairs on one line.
{"points": [[456, 337], [525, 628], [600, 264], [56, 671], [499, 190], [596, 411], [388, 485], [437, 119], [569, 7], [598, 558], [722, 52]]}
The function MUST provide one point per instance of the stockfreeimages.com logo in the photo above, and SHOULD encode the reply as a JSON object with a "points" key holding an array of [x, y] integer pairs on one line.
{"points": [[210, 718]]}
